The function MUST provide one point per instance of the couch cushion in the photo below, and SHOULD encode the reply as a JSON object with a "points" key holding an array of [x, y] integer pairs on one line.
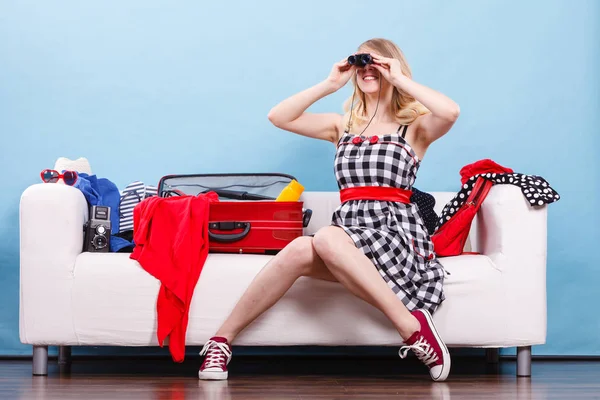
{"points": [[114, 303]]}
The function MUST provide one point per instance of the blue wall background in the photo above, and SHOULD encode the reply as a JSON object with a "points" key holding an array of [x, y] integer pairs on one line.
{"points": [[148, 88]]}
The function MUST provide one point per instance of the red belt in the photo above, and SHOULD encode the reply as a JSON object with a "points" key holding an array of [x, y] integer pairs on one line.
{"points": [[375, 193]]}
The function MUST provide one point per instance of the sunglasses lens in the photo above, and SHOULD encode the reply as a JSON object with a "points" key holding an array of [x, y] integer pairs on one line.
{"points": [[70, 177], [50, 176]]}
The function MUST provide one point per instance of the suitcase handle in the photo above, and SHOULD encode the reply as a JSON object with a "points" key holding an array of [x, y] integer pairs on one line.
{"points": [[306, 217], [228, 226]]}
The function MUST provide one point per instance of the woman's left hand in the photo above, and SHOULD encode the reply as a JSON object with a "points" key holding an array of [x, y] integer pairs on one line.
{"points": [[389, 68]]}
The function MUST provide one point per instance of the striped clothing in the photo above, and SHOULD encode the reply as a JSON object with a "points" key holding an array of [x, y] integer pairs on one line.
{"points": [[131, 196]]}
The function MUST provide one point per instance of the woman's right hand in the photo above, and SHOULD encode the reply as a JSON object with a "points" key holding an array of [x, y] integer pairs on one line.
{"points": [[340, 74]]}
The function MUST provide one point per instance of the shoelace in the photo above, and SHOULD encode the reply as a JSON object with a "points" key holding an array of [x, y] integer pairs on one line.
{"points": [[422, 349], [217, 354]]}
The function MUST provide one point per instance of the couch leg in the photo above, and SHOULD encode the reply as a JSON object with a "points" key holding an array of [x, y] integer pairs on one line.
{"points": [[40, 360], [64, 355], [524, 361], [492, 356]]}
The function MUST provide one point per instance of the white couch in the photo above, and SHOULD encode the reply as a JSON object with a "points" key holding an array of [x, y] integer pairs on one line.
{"points": [[69, 298]]}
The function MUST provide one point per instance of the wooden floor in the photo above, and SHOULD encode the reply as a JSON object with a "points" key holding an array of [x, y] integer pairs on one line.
{"points": [[295, 378]]}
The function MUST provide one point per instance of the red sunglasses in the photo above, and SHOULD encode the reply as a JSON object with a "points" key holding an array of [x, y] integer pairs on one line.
{"points": [[52, 176]]}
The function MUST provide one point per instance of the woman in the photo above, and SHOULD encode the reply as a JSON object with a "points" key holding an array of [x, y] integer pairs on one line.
{"points": [[377, 245]]}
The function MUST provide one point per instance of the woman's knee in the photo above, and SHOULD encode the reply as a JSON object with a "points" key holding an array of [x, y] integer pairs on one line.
{"points": [[327, 242], [300, 256]]}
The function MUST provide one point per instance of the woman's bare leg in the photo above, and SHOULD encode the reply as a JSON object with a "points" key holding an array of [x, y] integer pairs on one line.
{"points": [[297, 259], [330, 255], [356, 272]]}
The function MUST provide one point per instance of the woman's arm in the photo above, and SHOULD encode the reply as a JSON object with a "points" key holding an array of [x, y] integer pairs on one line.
{"points": [[444, 111], [291, 113]]}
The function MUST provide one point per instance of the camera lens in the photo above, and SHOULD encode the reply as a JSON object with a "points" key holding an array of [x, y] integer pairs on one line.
{"points": [[99, 242], [100, 230]]}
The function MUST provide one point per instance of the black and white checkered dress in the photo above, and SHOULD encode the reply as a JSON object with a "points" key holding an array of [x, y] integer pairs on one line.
{"points": [[391, 234]]}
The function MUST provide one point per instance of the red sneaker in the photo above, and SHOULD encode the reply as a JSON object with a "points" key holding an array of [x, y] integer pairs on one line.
{"points": [[428, 347], [218, 355]]}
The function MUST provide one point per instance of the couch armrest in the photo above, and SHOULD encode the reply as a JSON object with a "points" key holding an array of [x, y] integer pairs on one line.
{"points": [[51, 237], [514, 235], [508, 226]]}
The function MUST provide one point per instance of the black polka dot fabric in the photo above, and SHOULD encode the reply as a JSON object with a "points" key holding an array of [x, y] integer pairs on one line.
{"points": [[425, 203], [536, 190]]}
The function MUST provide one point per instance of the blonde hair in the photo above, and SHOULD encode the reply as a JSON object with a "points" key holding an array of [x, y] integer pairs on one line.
{"points": [[405, 108]]}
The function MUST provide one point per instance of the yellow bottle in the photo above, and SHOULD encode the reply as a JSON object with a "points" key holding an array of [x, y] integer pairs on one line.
{"points": [[291, 192]]}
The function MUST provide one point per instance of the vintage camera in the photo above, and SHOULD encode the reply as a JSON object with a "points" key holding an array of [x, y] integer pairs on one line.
{"points": [[97, 230], [360, 60]]}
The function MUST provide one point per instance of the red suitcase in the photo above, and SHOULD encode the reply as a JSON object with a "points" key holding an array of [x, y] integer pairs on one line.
{"points": [[246, 219]]}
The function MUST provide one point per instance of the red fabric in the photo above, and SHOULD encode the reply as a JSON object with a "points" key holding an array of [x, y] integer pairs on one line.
{"points": [[450, 239], [482, 167], [171, 244], [375, 193]]}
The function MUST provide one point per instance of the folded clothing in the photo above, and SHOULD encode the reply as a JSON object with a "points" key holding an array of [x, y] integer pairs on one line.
{"points": [[103, 192], [425, 203], [131, 196]]}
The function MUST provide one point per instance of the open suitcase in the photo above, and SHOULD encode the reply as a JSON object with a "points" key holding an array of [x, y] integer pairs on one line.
{"points": [[246, 219]]}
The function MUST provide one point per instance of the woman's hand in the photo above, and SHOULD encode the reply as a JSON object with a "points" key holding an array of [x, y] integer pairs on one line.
{"points": [[340, 74], [389, 68], [444, 111]]}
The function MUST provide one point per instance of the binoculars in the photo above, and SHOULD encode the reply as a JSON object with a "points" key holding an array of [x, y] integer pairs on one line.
{"points": [[360, 60]]}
